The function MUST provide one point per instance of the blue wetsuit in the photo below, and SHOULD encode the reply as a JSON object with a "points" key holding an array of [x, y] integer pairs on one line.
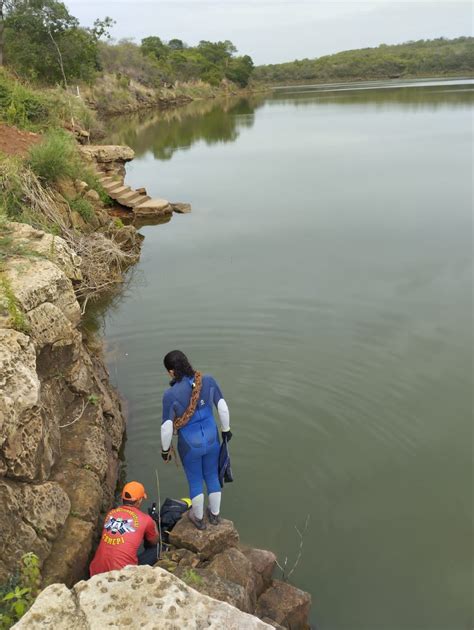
{"points": [[198, 440]]}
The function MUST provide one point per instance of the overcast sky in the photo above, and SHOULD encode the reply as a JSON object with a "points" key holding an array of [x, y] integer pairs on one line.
{"points": [[272, 31]]}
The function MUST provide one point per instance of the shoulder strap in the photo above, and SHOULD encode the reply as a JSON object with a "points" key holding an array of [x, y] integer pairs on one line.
{"points": [[181, 421]]}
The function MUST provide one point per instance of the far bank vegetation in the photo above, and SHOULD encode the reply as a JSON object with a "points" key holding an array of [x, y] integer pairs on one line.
{"points": [[423, 58], [44, 45]]}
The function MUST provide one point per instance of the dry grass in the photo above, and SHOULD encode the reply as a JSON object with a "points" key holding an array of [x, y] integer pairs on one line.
{"points": [[102, 258]]}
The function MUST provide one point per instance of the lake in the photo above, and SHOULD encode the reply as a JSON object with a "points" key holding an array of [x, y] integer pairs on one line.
{"points": [[324, 277]]}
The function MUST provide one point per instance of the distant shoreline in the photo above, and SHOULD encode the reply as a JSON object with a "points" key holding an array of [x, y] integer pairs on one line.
{"points": [[341, 82]]}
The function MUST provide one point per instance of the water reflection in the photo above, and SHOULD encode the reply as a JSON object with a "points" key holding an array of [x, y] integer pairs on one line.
{"points": [[429, 96], [165, 132], [220, 121]]}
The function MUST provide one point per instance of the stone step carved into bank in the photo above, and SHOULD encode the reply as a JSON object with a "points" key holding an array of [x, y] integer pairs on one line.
{"points": [[108, 162]]}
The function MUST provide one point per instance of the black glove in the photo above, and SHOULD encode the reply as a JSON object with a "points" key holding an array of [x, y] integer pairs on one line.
{"points": [[226, 435], [166, 455]]}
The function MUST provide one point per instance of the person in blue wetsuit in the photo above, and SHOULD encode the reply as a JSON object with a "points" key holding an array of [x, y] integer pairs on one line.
{"points": [[188, 410]]}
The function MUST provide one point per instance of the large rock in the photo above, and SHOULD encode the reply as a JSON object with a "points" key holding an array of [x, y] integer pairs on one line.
{"points": [[205, 543], [263, 563], [285, 604], [49, 326], [56, 608], [153, 208], [39, 281], [104, 153], [207, 582], [49, 246], [232, 565], [133, 597]]}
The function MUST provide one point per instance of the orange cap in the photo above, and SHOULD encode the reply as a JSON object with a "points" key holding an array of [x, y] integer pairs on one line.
{"points": [[133, 491]]}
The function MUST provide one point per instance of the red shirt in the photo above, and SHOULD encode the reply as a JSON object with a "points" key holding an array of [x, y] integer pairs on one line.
{"points": [[124, 529]]}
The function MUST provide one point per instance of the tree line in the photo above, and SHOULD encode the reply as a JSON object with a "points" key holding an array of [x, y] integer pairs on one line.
{"points": [[416, 58], [41, 41]]}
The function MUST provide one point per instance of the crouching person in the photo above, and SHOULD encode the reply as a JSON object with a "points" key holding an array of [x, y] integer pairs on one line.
{"points": [[125, 529]]}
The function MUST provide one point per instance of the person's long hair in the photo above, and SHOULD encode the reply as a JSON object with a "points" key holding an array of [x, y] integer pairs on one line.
{"points": [[178, 362]]}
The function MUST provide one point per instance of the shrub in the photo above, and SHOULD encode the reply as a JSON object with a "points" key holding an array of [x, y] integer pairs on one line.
{"points": [[93, 182], [83, 206], [21, 590], [20, 105], [55, 157], [11, 187]]}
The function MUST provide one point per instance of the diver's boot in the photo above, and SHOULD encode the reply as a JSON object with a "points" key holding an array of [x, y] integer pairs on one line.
{"points": [[197, 522], [214, 519]]}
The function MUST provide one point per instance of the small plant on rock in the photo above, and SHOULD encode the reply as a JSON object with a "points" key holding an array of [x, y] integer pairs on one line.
{"points": [[93, 399], [19, 593], [192, 578], [83, 207]]}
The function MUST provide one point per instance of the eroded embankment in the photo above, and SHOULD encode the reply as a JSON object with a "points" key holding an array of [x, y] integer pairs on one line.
{"points": [[61, 423]]}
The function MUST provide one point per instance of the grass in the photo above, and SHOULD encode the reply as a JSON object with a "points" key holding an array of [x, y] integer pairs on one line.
{"points": [[54, 158], [93, 182], [192, 578], [36, 109], [83, 207], [10, 304]]}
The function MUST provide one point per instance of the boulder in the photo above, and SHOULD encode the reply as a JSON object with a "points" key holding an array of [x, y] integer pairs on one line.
{"points": [[104, 153], [43, 282], [80, 186], [56, 607], [263, 563], [232, 565], [181, 208], [205, 543], [50, 246], [208, 583], [92, 195], [49, 326], [144, 597], [285, 604], [153, 208]]}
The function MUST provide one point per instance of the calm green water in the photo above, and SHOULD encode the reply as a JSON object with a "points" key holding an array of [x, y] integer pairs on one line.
{"points": [[325, 278]]}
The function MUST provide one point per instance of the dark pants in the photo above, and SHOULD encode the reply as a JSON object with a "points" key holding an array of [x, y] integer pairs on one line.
{"points": [[148, 556]]}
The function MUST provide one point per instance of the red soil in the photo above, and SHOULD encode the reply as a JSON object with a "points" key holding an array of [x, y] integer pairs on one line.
{"points": [[16, 142]]}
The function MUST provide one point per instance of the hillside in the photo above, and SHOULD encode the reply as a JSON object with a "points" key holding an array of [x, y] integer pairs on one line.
{"points": [[440, 57]]}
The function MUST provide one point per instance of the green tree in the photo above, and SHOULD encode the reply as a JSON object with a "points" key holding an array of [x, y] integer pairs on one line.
{"points": [[154, 47], [176, 44], [44, 41], [239, 70]]}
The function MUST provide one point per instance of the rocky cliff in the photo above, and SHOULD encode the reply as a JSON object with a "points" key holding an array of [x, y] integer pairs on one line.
{"points": [[61, 424]]}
